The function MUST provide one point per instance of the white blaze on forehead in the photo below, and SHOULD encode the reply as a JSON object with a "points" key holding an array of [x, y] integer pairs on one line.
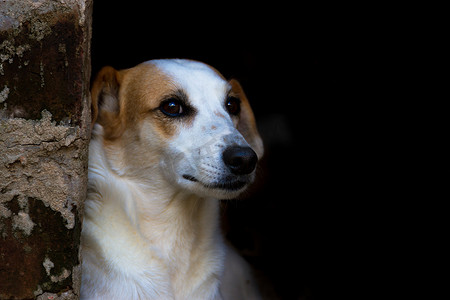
{"points": [[206, 90], [201, 83]]}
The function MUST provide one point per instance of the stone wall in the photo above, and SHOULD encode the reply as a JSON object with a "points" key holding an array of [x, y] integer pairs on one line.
{"points": [[44, 136]]}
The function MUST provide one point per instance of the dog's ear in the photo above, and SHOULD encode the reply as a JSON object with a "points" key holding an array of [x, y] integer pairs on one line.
{"points": [[247, 124], [105, 93], [106, 102]]}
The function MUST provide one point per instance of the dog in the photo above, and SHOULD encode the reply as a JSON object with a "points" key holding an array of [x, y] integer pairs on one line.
{"points": [[170, 138]]}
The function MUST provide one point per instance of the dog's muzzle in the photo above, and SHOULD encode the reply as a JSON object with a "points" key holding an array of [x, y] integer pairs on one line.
{"points": [[240, 161]]}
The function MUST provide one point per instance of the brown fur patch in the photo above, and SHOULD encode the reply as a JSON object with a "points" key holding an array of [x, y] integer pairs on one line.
{"points": [[138, 92], [247, 123], [219, 114], [105, 102], [144, 89]]}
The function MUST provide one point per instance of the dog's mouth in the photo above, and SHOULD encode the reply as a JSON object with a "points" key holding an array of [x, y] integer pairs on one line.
{"points": [[231, 185]]}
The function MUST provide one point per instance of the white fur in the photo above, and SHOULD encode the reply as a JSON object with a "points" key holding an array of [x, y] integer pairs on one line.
{"points": [[149, 233], [198, 150], [140, 265]]}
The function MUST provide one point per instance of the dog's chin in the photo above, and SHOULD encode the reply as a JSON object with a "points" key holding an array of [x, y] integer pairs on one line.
{"points": [[224, 189]]}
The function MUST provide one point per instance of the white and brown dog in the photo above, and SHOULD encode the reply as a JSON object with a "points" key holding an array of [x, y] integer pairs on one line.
{"points": [[170, 137]]}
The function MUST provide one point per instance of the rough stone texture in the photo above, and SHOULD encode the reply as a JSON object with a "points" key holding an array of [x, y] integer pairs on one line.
{"points": [[44, 136]]}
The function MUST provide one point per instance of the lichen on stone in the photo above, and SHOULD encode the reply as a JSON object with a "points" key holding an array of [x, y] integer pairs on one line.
{"points": [[48, 265], [4, 94], [23, 222], [40, 151]]}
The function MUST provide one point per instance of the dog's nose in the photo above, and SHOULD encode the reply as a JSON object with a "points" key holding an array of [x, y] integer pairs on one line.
{"points": [[240, 160]]}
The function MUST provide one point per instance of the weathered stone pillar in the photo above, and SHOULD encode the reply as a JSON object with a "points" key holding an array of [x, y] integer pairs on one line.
{"points": [[44, 136]]}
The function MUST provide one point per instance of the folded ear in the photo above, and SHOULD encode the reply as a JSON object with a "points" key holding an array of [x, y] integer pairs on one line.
{"points": [[106, 102], [247, 124]]}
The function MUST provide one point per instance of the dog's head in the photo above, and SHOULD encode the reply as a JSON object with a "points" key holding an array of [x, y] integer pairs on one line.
{"points": [[181, 119]]}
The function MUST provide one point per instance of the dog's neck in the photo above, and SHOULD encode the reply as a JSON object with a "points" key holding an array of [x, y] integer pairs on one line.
{"points": [[182, 227], [180, 224]]}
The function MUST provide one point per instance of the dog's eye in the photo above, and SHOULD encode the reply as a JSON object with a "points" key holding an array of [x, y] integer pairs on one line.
{"points": [[233, 105], [172, 107]]}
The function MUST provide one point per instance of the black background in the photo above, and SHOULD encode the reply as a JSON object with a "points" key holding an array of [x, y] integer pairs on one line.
{"points": [[299, 67]]}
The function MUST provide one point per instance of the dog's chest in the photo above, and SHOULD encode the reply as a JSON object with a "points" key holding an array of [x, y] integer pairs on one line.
{"points": [[186, 236], [188, 240]]}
